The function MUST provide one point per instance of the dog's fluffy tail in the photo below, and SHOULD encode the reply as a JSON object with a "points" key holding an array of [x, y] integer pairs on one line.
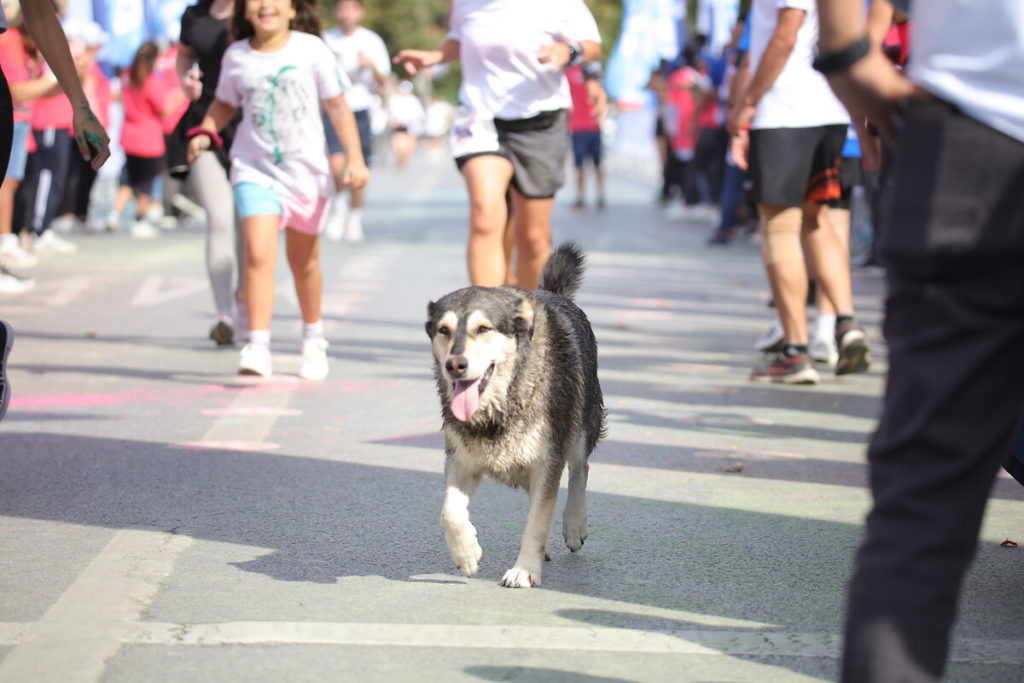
{"points": [[563, 272]]}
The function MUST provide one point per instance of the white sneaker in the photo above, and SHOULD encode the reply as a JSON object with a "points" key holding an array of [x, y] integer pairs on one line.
{"points": [[822, 347], [314, 359], [354, 229], [10, 284], [771, 338], [52, 243], [112, 222], [335, 228], [63, 224], [255, 360], [675, 211], [13, 256], [168, 222], [143, 230]]}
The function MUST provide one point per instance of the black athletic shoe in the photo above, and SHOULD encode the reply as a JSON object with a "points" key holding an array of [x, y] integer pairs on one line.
{"points": [[6, 342], [854, 350]]}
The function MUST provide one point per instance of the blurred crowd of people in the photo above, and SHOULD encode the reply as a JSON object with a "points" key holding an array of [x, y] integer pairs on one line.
{"points": [[49, 193]]}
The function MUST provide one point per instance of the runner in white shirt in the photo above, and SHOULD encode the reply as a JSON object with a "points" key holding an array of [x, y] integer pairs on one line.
{"points": [[363, 57], [511, 127], [795, 130], [406, 117], [953, 247]]}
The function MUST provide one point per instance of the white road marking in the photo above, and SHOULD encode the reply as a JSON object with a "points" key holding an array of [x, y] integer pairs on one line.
{"points": [[157, 289], [730, 643]]}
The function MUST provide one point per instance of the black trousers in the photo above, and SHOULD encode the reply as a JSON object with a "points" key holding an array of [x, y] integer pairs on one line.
{"points": [[953, 247], [44, 182]]}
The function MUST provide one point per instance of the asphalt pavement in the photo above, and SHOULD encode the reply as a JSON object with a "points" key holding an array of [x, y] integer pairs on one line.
{"points": [[162, 519]]}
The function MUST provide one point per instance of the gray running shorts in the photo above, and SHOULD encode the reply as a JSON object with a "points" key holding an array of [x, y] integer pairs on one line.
{"points": [[537, 147]]}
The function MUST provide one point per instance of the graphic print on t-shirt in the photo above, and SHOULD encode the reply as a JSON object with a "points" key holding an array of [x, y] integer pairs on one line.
{"points": [[278, 110]]}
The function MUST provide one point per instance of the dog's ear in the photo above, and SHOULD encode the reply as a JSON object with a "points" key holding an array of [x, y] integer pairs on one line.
{"points": [[522, 321], [431, 326]]}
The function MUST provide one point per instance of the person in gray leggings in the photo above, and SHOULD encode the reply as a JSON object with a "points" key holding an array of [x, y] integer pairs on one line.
{"points": [[204, 37]]}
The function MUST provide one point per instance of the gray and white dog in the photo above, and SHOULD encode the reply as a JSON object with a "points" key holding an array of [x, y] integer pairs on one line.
{"points": [[516, 372]]}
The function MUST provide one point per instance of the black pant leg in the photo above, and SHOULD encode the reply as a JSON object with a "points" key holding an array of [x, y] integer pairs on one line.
{"points": [[955, 327]]}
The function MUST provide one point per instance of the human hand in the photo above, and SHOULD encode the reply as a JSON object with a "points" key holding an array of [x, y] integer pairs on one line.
{"points": [[196, 146], [365, 61], [872, 88], [192, 84], [597, 98], [413, 60], [739, 118], [90, 137], [554, 55], [739, 149], [356, 174]]}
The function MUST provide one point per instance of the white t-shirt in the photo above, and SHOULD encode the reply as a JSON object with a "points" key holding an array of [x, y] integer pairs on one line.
{"points": [[406, 111], [972, 54], [347, 49], [280, 141], [800, 96], [499, 45]]}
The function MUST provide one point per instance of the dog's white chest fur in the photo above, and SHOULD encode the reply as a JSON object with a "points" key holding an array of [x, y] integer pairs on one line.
{"points": [[507, 458]]}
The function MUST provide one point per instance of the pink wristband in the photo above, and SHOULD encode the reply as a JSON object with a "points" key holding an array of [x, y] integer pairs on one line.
{"points": [[216, 141]]}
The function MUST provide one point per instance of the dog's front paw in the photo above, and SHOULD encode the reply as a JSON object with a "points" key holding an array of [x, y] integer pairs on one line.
{"points": [[574, 530], [517, 577], [466, 555]]}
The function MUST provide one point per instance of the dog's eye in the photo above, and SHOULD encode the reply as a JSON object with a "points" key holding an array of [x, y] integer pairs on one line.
{"points": [[443, 330], [483, 329]]}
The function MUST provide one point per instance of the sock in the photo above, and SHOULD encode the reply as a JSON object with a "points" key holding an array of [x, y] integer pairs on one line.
{"points": [[313, 330], [340, 201], [8, 239], [260, 337], [355, 215], [794, 350], [825, 323], [844, 318]]}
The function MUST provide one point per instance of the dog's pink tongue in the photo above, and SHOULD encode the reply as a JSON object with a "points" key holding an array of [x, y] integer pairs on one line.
{"points": [[466, 399]]}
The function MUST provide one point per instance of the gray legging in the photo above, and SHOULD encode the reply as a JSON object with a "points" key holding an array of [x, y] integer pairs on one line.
{"points": [[224, 246]]}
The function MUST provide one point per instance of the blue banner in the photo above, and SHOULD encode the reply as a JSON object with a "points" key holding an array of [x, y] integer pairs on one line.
{"points": [[652, 30]]}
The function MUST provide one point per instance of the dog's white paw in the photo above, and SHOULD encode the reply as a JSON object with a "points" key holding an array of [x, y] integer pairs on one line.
{"points": [[517, 577], [467, 554], [574, 530]]}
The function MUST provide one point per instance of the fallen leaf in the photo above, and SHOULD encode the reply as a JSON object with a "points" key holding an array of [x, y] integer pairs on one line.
{"points": [[1008, 544], [737, 467]]}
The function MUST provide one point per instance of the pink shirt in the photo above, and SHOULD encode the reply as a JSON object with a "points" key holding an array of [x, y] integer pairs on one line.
{"points": [[97, 90], [14, 62], [581, 116], [142, 134], [680, 96]]}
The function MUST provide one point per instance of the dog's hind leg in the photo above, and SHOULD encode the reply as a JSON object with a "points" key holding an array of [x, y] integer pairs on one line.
{"points": [[574, 517], [543, 492], [459, 532]]}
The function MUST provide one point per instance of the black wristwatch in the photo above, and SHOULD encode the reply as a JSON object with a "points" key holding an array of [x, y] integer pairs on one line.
{"points": [[575, 53], [831, 62]]}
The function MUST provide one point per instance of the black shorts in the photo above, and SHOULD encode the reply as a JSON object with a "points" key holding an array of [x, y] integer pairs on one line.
{"points": [[795, 166], [334, 145], [537, 147], [586, 144], [141, 171]]}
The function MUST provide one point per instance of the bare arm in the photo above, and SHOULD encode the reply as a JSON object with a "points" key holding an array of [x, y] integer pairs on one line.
{"points": [[191, 86], [217, 116], [557, 54], [775, 56], [413, 60], [44, 86], [41, 22], [356, 173]]}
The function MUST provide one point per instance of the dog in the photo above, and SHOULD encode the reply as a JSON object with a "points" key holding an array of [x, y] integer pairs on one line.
{"points": [[516, 373]]}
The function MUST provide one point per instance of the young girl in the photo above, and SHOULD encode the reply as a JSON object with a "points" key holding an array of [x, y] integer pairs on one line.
{"points": [[147, 104], [279, 72]]}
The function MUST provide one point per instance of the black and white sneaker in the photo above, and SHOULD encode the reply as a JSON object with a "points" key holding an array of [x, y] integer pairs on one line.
{"points": [[853, 347], [6, 342]]}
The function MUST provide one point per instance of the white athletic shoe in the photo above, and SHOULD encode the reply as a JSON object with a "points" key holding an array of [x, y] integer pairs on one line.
{"points": [[334, 230], [822, 347], [771, 338], [9, 284], [314, 359], [13, 256], [354, 229], [143, 230], [52, 243], [255, 360]]}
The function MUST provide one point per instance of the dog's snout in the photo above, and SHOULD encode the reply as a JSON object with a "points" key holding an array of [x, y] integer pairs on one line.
{"points": [[456, 365]]}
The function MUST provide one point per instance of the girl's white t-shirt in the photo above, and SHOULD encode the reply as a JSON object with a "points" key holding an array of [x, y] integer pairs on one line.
{"points": [[280, 141], [500, 41]]}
